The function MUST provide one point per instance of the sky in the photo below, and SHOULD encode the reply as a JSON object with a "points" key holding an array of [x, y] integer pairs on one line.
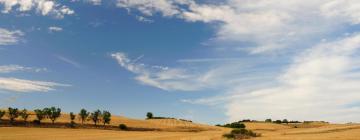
{"points": [[210, 61]]}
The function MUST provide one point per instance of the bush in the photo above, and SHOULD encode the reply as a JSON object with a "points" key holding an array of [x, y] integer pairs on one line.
{"points": [[268, 120], [241, 134], [278, 121], [229, 136], [72, 124], [235, 125], [38, 122], [122, 127]]}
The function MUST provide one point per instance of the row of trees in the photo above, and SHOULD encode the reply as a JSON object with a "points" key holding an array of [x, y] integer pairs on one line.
{"points": [[281, 121], [54, 113]]}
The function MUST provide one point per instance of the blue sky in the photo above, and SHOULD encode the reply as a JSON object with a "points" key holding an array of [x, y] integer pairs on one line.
{"points": [[209, 61]]}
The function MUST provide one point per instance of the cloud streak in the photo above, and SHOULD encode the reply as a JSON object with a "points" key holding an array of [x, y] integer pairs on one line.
{"points": [[15, 68], [9, 37], [27, 86]]}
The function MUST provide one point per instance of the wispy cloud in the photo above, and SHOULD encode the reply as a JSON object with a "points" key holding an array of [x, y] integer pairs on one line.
{"points": [[320, 81], [14, 68], [9, 37], [26, 86], [158, 76], [69, 61], [55, 29]]}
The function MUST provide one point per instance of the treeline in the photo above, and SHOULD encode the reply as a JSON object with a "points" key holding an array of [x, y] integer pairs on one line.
{"points": [[238, 124], [281, 121], [271, 121], [53, 113], [150, 115]]}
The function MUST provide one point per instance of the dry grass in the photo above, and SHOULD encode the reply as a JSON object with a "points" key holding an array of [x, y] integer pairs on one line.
{"points": [[171, 129], [312, 131]]}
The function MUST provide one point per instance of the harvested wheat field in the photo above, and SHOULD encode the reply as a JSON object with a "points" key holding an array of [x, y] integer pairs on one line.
{"points": [[16, 133], [172, 129], [312, 131]]}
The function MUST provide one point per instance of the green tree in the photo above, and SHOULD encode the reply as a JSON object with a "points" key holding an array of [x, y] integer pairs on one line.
{"points": [[72, 116], [13, 114], [106, 117], [83, 115], [149, 115], [52, 113], [40, 114], [268, 120], [2, 114], [95, 116], [285, 121], [24, 115], [277, 121]]}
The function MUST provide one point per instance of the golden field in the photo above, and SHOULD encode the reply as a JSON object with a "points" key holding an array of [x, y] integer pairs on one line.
{"points": [[171, 129]]}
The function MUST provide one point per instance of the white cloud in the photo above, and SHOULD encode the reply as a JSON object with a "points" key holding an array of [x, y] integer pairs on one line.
{"points": [[94, 2], [14, 68], [149, 7], [144, 19], [268, 24], [44, 7], [158, 76], [320, 84], [9, 37], [55, 29], [20, 85]]}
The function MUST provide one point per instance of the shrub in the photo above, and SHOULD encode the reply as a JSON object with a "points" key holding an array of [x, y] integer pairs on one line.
{"points": [[229, 136], [38, 122], [2, 114], [235, 125], [122, 127], [72, 116], [278, 121], [72, 124], [241, 134], [149, 115], [285, 121], [268, 120]]}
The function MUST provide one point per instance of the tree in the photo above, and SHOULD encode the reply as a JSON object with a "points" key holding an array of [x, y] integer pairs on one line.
{"points": [[52, 113], [268, 120], [106, 117], [13, 114], [2, 114], [149, 115], [95, 116], [24, 115], [40, 114], [285, 121], [83, 115], [277, 121], [72, 116]]}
